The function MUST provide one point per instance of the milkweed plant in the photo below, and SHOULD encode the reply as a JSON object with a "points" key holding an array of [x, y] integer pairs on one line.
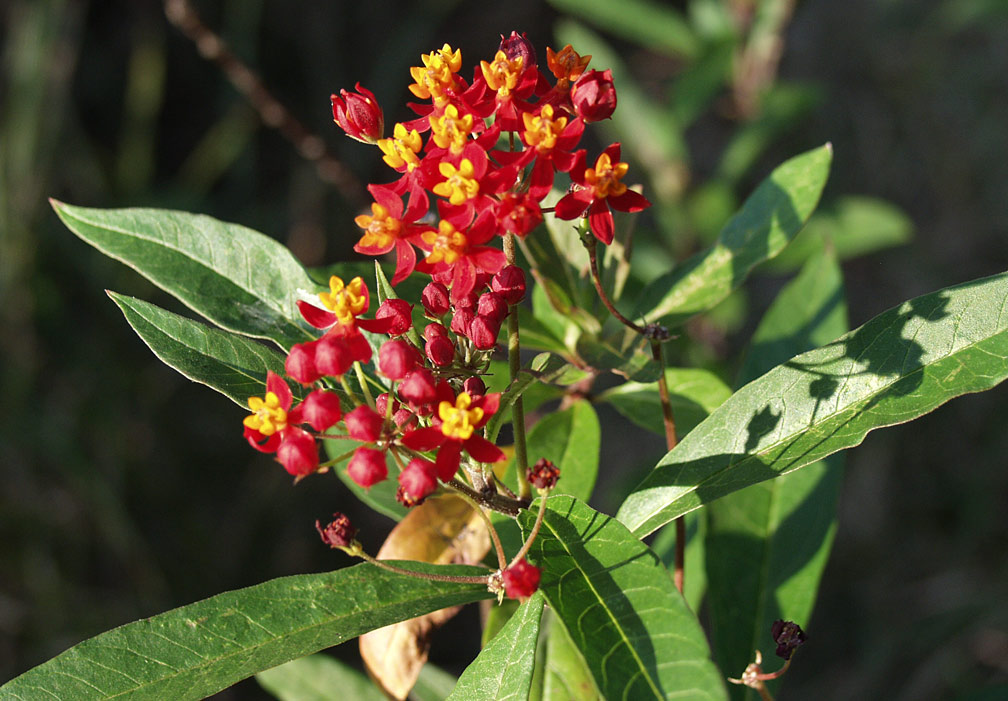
{"points": [[451, 384]]}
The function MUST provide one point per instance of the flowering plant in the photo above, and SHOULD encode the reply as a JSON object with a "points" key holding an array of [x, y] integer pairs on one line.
{"points": [[413, 389]]}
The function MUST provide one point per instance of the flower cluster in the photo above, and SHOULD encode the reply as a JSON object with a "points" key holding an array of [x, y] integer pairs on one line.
{"points": [[474, 166]]}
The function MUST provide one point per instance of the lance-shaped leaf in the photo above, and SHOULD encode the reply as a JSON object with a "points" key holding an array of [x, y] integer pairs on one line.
{"points": [[900, 365], [768, 220], [619, 605], [199, 649], [503, 670], [237, 278], [565, 676], [767, 544], [316, 678], [233, 365]]}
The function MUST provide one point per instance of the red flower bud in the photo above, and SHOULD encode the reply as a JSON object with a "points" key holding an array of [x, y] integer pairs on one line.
{"points": [[400, 312], [435, 300], [298, 452], [789, 637], [518, 45], [509, 283], [359, 115], [440, 350], [483, 332], [432, 331], [461, 320], [594, 96], [400, 414], [418, 479], [521, 580], [300, 363], [396, 358], [338, 533], [492, 305], [474, 387], [321, 409], [363, 424], [543, 475], [418, 387], [367, 467]]}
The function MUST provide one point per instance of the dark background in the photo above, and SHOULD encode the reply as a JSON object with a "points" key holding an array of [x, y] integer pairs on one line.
{"points": [[126, 490]]}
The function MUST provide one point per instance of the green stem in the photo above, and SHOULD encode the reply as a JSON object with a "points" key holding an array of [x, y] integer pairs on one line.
{"points": [[459, 579], [535, 531], [514, 366], [363, 382]]}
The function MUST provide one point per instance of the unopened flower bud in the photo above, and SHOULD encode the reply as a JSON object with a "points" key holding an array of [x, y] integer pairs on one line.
{"points": [[474, 387], [440, 350], [435, 300], [332, 355], [509, 283], [789, 637], [338, 533], [483, 332], [516, 46], [396, 358], [418, 388], [399, 312], [367, 467], [461, 320], [432, 331], [363, 424], [521, 580], [321, 409], [359, 115], [543, 475], [593, 96]]}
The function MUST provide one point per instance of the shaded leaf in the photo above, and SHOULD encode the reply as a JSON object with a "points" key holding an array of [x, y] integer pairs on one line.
{"points": [[767, 544], [199, 649], [237, 278], [619, 605], [441, 530], [433, 684], [233, 365], [544, 368], [565, 675], [693, 394], [768, 220], [318, 678], [503, 670], [900, 365], [644, 22], [694, 560]]}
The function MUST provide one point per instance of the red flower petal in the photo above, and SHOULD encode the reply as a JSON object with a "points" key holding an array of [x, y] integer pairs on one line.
{"points": [[483, 450], [317, 317], [447, 462]]}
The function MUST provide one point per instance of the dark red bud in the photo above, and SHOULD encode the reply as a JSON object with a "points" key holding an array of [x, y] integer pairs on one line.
{"points": [[483, 332], [461, 320], [338, 533], [440, 351], [789, 637], [493, 305], [543, 475], [333, 355], [300, 363], [418, 479], [435, 300], [298, 452], [509, 283], [518, 45], [432, 331], [474, 387], [418, 387]]}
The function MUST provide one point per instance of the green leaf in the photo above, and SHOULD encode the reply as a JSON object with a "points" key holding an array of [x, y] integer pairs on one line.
{"points": [[571, 439], [233, 365], [643, 22], [767, 544], [619, 605], [316, 678], [693, 394], [900, 365], [503, 670], [694, 565], [199, 649], [565, 675], [237, 278], [768, 220]]}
